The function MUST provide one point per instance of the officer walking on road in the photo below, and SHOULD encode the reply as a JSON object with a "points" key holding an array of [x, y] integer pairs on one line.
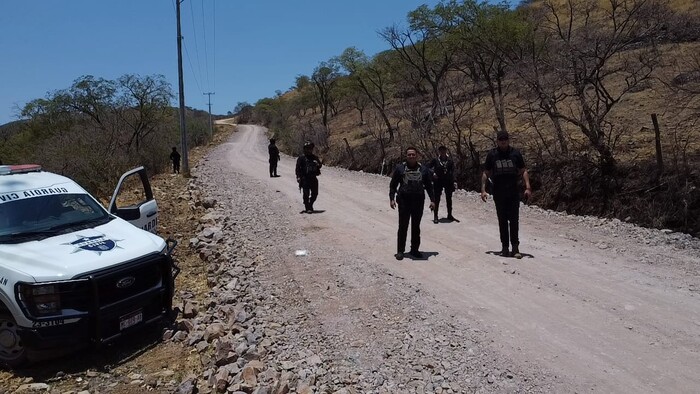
{"points": [[274, 153], [175, 158], [307, 170], [412, 180], [443, 178], [504, 166]]}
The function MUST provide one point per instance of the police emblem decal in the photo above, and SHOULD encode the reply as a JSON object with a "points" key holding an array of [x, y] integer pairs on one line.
{"points": [[96, 243]]}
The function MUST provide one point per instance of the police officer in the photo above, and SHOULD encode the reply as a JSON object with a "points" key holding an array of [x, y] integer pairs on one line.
{"points": [[504, 166], [443, 178], [412, 180], [274, 153], [307, 170], [175, 158]]}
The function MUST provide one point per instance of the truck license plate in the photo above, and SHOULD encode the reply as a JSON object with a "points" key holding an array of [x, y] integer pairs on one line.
{"points": [[131, 319]]}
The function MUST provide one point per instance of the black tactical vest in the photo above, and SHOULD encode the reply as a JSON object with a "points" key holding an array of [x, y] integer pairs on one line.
{"points": [[412, 182]]}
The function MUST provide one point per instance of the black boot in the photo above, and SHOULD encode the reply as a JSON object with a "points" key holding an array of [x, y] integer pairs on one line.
{"points": [[416, 253], [504, 251], [516, 252]]}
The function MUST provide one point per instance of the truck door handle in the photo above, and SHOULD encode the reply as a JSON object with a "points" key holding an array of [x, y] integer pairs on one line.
{"points": [[148, 215]]}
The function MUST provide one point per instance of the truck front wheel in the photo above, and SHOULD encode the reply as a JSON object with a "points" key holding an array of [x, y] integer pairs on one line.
{"points": [[12, 351]]}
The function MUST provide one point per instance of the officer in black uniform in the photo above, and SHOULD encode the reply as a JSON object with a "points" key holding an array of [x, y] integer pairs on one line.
{"points": [[175, 158], [274, 153], [412, 180], [307, 170], [443, 178], [504, 166]]}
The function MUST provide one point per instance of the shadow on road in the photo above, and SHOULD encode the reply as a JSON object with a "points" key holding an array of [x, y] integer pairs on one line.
{"points": [[315, 211], [498, 253], [426, 256]]}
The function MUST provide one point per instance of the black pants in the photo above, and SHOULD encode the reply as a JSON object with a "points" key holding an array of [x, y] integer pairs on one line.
{"points": [[310, 191], [273, 168], [507, 210], [410, 209], [449, 188], [176, 167]]}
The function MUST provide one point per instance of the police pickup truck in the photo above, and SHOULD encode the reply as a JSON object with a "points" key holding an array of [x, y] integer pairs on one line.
{"points": [[73, 273]]}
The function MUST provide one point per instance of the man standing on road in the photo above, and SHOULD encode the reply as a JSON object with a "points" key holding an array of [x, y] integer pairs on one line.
{"points": [[443, 178], [504, 165], [307, 170], [175, 158], [412, 180], [274, 157]]}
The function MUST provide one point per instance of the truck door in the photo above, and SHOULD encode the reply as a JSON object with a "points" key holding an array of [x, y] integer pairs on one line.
{"points": [[133, 200]]}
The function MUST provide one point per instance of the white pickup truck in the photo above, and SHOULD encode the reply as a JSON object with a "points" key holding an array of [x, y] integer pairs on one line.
{"points": [[73, 273]]}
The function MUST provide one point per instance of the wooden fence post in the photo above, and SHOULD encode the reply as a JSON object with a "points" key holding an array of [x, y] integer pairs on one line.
{"points": [[659, 157]]}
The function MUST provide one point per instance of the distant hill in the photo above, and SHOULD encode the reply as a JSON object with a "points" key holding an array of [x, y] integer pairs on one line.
{"points": [[11, 128], [7, 131]]}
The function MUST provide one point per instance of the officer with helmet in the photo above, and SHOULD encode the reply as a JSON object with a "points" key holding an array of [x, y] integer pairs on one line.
{"points": [[308, 169]]}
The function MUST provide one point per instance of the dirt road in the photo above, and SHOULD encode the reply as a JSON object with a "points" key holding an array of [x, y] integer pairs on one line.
{"points": [[599, 305]]}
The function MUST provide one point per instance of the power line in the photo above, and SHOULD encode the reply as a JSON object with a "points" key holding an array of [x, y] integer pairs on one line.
{"points": [[214, 60], [196, 46], [206, 55], [194, 75]]}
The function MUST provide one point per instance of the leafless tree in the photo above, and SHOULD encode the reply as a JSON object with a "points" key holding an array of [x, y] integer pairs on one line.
{"points": [[597, 46], [459, 130], [685, 94], [424, 52], [375, 128], [371, 76], [325, 78]]}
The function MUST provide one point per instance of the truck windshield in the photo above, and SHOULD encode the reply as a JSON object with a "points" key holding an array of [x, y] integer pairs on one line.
{"points": [[47, 215]]}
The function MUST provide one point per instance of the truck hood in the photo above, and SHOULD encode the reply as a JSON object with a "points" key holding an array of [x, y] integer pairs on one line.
{"points": [[68, 255]]}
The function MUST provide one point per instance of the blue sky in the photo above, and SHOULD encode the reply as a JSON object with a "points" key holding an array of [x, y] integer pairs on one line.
{"points": [[247, 51]]}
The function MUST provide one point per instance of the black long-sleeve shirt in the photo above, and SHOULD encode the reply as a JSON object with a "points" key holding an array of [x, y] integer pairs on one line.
{"points": [[443, 169], [402, 185], [274, 153], [308, 166]]}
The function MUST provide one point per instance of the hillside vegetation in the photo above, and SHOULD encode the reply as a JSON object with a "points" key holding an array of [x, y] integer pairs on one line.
{"points": [[97, 129], [574, 82]]}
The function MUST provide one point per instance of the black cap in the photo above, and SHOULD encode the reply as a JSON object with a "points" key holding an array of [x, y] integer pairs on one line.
{"points": [[309, 144], [442, 147], [502, 136], [272, 140]]}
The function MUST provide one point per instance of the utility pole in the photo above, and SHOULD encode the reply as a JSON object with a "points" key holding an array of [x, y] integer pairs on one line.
{"points": [[211, 125], [183, 130]]}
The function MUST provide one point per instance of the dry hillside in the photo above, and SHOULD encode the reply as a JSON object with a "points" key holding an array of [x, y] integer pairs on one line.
{"points": [[669, 66]]}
